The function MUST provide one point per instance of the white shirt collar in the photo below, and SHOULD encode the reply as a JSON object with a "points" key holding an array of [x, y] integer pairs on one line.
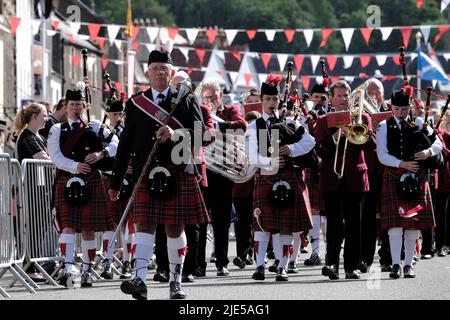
{"points": [[220, 108], [155, 93], [267, 116]]}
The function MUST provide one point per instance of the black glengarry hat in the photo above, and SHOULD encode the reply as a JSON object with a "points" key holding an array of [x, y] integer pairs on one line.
{"points": [[74, 95], [400, 98], [270, 87], [116, 106], [159, 56], [319, 88]]}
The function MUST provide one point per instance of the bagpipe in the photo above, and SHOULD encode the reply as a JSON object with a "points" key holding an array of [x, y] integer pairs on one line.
{"points": [[326, 84]]}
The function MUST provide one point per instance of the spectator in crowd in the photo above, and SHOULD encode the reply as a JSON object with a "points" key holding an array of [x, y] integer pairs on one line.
{"points": [[58, 115]]}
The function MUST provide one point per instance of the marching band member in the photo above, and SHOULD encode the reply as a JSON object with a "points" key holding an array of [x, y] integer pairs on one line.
{"points": [[288, 210], [169, 194], [342, 197], [375, 92], [75, 149], [410, 210]]}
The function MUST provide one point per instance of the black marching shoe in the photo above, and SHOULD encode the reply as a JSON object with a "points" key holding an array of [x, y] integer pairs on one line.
{"points": [[239, 262], [249, 260], [259, 273], [332, 272], [107, 272], [176, 292], [136, 287], [408, 272], [67, 280], [86, 280], [314, 260], [386, 268], [396, 272], [363, 267], [222, 272], [281, 275], [274, 267], [442, 252], [187, 277], [125, 270], [199, 272], [352, 275], [292, 268], [161, 276]]}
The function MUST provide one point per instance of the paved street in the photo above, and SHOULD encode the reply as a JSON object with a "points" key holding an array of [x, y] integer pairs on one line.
{"points": [[432, 282]]}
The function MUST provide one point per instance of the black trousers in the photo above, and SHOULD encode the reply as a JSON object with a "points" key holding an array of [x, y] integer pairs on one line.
{"points": [[192, 236], [220, 202], [385, 250], [340, 206], [243, 226], [442, 213], [369, 227]]}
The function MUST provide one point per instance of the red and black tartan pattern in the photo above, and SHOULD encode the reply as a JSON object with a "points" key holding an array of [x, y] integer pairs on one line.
{"points": [[115, 208], [285, 220], [391, 202], [93, 215], [315, 197], [185, 207]]}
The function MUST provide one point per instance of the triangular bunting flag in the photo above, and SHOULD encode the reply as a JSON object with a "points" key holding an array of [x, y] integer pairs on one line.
{"points": [[55, 24], [262, 77], [419, 4], [118, 85], [331, 59], [442, 30], [385, 32], [396, 60], [71, 38], [201, 54], [282, 58], [406, 34], [446, 56], [314, 61], [270, 34], [366, 32], [305, 83], [152, 33], [381, 59], [74, 27], [90, 63], [308, 33], [35, 26], [334, 79], [365, 60], [113, 31], [14, 23], [298, 60], [135, 32], [150, 47], [325, 34], [248, 77], [105, 62], [444, 4], [289, 33], [220, 54], [185, 52], [236, 54], [101, 42], [76, 60], [425, 32], [348, 61], [231, 34], [94, 29], [172, 32], [233, 76], [191, 34], [347, 34], [118, 44], [211, 34], [251, 34], [265, 57]]}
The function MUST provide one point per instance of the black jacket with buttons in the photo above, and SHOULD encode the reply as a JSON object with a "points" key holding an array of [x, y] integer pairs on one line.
{"points": [[138, 135]]}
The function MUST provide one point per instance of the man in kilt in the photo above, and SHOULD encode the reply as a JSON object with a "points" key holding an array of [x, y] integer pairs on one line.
{"points": [[72, 148], [342, 197], [270, 218], [400, 214], [144, 124]]}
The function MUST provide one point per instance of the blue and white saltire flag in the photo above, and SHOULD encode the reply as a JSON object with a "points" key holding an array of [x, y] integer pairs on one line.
{"points": [[428, 69]]}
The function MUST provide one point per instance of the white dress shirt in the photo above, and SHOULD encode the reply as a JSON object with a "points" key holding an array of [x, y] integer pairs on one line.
{"points": [[66, 164], [303, 146], [155, 94], [382, 151]]}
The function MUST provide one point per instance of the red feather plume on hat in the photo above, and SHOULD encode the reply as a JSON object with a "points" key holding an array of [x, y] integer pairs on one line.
{"points": [[273, 79], [408, 90], [123, 96], [325, 82]]}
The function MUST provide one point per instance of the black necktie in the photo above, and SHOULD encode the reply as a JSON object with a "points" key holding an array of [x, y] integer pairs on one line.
{"points": [[75, 125], [402, 125], [161, 98]]}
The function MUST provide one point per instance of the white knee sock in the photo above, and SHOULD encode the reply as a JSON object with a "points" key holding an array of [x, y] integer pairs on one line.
{"points": [[108, 250], [261, 240], [410, 245], [276, 244], [315, 234], [176, 250], [88, 247], [285, 243], [296, 244], [67, 247], [395, 242], [144, 249]]}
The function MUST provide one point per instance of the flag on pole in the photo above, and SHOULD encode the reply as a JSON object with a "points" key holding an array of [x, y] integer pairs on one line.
{"points": [[129, 28], [428, 69]]}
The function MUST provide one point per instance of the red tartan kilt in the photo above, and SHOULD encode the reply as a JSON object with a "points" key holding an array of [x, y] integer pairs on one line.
{"points": [[115, 208], [315, 197], [391, 202], [90, 216], [185, 207], [285, 220]]}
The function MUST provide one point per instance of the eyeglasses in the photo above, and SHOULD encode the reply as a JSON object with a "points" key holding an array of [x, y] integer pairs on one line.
{"points": [[161, 68], [210, 98]]}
